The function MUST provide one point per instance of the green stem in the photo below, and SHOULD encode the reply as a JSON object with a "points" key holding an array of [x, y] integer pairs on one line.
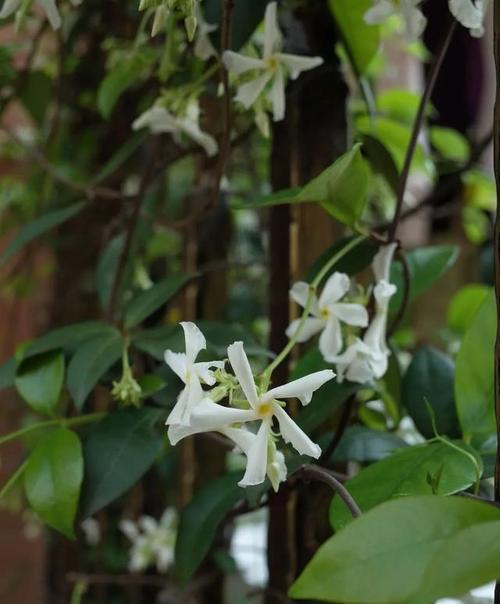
{"points": [[266, 376], [78, 592], [13, 479], [64, 422]]}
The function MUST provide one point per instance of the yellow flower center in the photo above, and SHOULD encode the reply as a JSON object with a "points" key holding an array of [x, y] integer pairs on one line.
{"points": [[325, 313], [272, 63], [264, 410]]}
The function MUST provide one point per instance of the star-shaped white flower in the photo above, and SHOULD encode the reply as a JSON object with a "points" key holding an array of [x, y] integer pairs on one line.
{"points": [[48, 6], [471, 14], [159, 120], [409, 11], [272, 68], [191, 373], [327, 314], [203, 47], [264, 407]]}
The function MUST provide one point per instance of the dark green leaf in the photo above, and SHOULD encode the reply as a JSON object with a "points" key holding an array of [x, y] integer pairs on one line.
{"points": [[430, 377], [36, 94], [246, 17], [200, 520], [474, 376], [53, 477], [220, 335], [384, 556], [156, 340], [117, 452], [91, 361], [362, 445], [116, 82], [147, 302], [37, 227], [405, 473], [150, 384], [39, 381], [381, 160]]}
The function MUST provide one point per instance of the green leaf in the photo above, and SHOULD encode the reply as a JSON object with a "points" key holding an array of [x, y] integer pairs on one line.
{"points": [[464, 305], [156, 340], [426, 265], [341, 189], [91, 361], [36, 93], [405, 473], [450, 144], [107, 268], [39, 381], [117, 452], [362, 444], [150, 384], [474, 376], [220, 335], [430, 378], [273, 199], [384, 556], [399, 105], [53, 477], [246, 16], [149, 301], [117, 81], [37, 227], [200, 519], [360, 39]]}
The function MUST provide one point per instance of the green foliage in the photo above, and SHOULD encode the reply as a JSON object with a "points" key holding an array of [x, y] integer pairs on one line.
{"points": [[395, 553], [91, 361], [464, 305], [53, 477], [407, 472], [38, 227], [429, 380], [36, 94], [474, 377], [361, 40], [117, 452], [363, 445], [40, 379], [246, 17], [450, 144], [353, 262], [199, 522]]}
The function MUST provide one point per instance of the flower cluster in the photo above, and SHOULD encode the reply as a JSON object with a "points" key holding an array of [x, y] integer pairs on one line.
{"points": [[363, 358], [153, 542], [470, 13], [162, 8], [250, 404], [49, 7]]}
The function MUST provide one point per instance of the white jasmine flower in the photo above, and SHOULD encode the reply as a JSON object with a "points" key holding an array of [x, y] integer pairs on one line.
{"points": [[191, 373], [159, 120], [244, 440], [153, 542], [471, 14], [264, 407], [91, 531], [409, 11], [271, 69], [48, 6], [203, 47], [327, 314]]}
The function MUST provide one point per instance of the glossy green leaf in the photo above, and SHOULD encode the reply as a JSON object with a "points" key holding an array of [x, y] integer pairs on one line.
{"points": [[246, 17], [147, 302], [426, 265], [384, 556], [464, 305], [156, 340], [91, 361], [200, 519], [362, 444], [117, 81], [53, 477], [117, 452], [450, 144], [38, 227], [220, 335], [430, 378], [407, 472], [150, 384], [474, 377], [39, 381], [399, 104], [360, 39]]}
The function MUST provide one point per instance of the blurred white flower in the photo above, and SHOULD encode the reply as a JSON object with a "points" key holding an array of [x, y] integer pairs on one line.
{"points": [[91, 531], [327, 314], [471, 14], [191, 373], [159, 120], [203, 47], [271, 69], [153, 542], [48, 6], [408, 10]]}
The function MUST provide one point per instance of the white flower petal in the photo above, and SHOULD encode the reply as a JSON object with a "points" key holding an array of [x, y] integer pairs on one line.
{"points": [[177, 432], [129, 529], [330, 340], [415, 21], [157, 119], [360, 371], [381, 265], [383, 292], [237, 63], [309, 329], [195, 341], [241, 367], [203, 139], [177, 361], [303, 388], [248, 93], [9, 7], [209, 416], [50, 9], [352, 314], [291, 433], [277, 95], [241, 437], [379, 12], [276, 467], [203, 371], [296, 64], [470, 14], [272, 34], [257, 458], [335, 289], [300, 294], [180, 414]]}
